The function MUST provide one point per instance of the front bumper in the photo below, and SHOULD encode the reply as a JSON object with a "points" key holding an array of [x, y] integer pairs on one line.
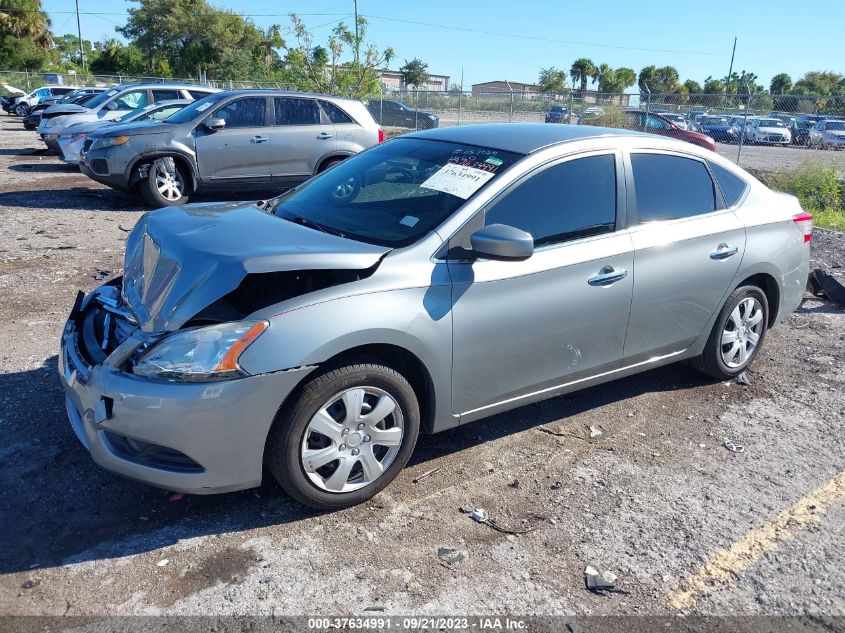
{"points": [[198, 438]]}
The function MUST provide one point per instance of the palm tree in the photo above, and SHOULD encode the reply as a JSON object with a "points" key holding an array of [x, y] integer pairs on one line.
{"points": [[25, 18], [582, 69], [270, 40]]}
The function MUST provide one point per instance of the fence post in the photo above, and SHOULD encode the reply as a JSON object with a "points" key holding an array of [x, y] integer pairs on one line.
{"points": [[416, 107], [572, 107], [510, 116], [742, 131], [460, 105]]}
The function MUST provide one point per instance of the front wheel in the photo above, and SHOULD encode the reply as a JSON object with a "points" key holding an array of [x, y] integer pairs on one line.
{"points": [[345, 437], [165, 184], [737, 334]]}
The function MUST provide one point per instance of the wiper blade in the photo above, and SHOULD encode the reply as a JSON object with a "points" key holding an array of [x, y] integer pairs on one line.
{"points": [[311, 224]]}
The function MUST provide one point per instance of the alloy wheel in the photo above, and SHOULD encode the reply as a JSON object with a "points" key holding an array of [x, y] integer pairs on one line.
{"points": [[168, 182], [352, 439], [742, 332]]}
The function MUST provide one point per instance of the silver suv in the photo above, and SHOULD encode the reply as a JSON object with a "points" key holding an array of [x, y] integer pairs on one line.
{"points": [[255, 139]]}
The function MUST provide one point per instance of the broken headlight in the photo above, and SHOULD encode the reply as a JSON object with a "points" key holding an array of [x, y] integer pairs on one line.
{"points": [[201, 353]]}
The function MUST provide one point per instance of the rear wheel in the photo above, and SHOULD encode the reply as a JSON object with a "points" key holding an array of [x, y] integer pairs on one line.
{"points": [[737, 334], [345, 437], [165, 184]]}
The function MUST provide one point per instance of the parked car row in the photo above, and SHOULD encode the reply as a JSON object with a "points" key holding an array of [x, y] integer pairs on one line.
{"points": [[168, 141]]}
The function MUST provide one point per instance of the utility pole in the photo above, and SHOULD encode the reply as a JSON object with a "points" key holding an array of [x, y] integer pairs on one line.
{"points": [[731, 69], [79, 30], [357, 41]]}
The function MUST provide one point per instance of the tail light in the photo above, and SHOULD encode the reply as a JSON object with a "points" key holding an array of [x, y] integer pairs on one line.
{"points": [[805, 223], [380, 135]]}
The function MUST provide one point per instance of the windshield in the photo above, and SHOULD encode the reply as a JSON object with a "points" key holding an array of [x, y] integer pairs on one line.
{"points": [[188, 113], [395, 193], [771, 123], [713, 120], [835, 125], [132, 114]]}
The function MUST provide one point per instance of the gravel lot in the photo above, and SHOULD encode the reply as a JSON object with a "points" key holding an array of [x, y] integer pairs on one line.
{"points": [[653, 498]]}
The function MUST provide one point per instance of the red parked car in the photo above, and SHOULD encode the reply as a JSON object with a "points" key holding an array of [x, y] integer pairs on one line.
{"points": [[653, 123]]}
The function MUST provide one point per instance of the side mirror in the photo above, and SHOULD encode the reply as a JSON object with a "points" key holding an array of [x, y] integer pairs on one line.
{"points": [[111, 105], [215, 124], [502, 242]]}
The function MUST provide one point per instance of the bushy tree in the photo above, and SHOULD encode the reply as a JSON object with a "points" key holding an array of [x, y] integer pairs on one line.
{"points": [[415, 73], [552, 80], [824, 83], [780, 84], [614, 80], [692, 86], [25, 35], [581, 71], [659, 80]]}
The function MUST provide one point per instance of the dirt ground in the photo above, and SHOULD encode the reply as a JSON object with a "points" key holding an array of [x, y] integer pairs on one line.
{"points": [[685, 524]]}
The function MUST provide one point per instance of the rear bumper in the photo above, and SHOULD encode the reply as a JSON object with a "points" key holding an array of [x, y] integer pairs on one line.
{"points": [[199, 438]]}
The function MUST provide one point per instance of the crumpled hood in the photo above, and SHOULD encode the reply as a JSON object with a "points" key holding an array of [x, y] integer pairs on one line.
{"points": [[179, 260]]}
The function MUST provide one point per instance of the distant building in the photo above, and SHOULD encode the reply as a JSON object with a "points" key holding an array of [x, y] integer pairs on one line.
{"points": [[393, 80], [505, 86]]}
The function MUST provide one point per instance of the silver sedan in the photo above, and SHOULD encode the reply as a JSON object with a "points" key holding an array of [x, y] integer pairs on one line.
{"points": [[431, 281]]}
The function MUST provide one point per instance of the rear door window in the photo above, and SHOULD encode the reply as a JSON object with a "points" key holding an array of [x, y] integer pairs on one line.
{"points": [[248, 112], [671, 187], [296, 111], [335, 114], [731, 185], [166, 95]]}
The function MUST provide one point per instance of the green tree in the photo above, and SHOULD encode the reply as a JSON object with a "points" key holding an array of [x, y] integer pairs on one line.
{"points": [[581, 71], [65, 51], [780, 84], [713, 86], [552, 80], [25, 19], [614, 80], [414, 73], [824, 83], [659, 80], [692, 86]]}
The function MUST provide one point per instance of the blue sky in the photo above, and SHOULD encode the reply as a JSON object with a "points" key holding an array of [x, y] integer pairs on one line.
{"points": [[513, 40]]}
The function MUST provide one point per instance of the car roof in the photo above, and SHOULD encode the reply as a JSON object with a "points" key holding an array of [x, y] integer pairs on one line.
{"points": [[522, 138], [288, 93], [162, 84]]}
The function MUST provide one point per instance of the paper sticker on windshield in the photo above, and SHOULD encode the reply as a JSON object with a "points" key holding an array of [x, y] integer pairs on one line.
{"points": [[409, 220], [459, 180]]}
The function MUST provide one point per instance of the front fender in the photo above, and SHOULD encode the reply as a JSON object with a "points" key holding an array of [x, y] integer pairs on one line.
{"points": [[183, 152]]}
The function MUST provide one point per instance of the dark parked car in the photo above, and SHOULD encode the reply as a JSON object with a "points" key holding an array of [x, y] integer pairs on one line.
{"points": [[557, 114], [31, 120], [643, 121], [391, 113], [718, 127], [801, 127]]}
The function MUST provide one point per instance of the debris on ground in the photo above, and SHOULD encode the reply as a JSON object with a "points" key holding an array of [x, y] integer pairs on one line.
{"points": [[600, 582], [742, 379], [734, 446], [425, 475], [595, 432], [102, 274], [30, 584], [467, 509], [561, 433], [514, 484], [489, 467], [450, 556], [823, 284], [163, 562], [122, 228], [479, 515]]}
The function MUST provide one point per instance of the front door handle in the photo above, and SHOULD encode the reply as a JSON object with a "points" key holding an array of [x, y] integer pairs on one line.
{"points": [[258, 139], [324, 135], [607, 276], [723, 251]]}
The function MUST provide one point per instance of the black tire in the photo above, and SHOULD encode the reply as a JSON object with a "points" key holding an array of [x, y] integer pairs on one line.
{"points": [[285, 440], [21, 109], [330, 163], [710, 361], [150, 189]]}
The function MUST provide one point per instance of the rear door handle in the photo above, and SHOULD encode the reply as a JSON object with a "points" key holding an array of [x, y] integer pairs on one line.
{"points": [[607, 276], [258, 139], [324, 135], [723, 252]]}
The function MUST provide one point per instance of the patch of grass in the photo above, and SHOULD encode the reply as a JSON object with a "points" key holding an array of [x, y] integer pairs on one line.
{"points": [[819, 188]]}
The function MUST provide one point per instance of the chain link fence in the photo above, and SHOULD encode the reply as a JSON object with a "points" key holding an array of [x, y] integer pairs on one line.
{"points": [[761, 132]]}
